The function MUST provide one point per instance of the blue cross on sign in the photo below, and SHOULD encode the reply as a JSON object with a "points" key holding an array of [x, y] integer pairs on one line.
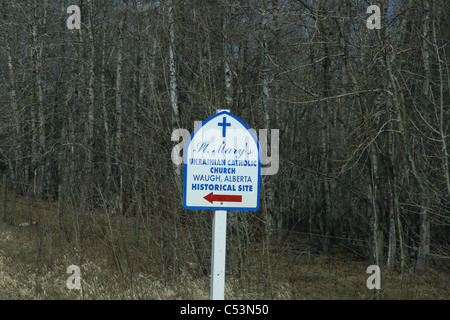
{"points": [[224, 126]]}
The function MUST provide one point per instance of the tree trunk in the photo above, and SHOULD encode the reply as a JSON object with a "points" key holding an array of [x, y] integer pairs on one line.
{"points": [[38, 48], [226, 61], [173, 81], [326, 219], [424, 242], [424, 247], [107, 143], [119, 115], [392, 191], [392, 247], [18, 134], [91, 106]]}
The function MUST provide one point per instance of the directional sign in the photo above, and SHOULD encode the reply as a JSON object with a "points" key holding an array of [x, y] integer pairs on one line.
{"points": [[222, 166]]}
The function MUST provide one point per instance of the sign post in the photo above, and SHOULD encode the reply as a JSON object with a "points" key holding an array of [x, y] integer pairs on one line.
{"points": [[222, 171], [219, 241]]}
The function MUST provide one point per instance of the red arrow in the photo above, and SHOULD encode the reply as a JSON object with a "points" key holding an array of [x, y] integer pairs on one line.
{"points": [[222, 197]]}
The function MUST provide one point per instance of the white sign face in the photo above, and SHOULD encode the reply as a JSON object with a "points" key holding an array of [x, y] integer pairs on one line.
{"points": [[222, 166]]}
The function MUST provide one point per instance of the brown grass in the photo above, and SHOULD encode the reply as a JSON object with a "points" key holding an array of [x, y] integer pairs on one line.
{"points": [[115, 263]]}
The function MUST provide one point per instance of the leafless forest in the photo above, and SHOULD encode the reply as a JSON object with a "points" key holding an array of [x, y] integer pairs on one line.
{"points": [[86, 118]]}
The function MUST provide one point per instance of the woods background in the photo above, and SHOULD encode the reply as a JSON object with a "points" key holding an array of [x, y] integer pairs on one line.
{"points": [[363, 117]]}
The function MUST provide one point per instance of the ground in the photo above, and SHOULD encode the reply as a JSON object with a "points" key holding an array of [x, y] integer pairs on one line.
{"points": [[29, 270]]}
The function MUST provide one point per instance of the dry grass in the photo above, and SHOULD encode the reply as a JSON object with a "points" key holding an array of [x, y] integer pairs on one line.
{"points": [[116, 264]]}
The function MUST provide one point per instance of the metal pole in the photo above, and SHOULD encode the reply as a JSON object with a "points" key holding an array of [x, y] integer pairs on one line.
{"points": [[219, 241]]}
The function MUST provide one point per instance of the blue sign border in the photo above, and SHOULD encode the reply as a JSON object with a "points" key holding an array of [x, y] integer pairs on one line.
{"points": [[186, 165]]}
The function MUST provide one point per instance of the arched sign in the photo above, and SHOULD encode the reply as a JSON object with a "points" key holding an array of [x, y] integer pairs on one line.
{"points": [[222, 166]]}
